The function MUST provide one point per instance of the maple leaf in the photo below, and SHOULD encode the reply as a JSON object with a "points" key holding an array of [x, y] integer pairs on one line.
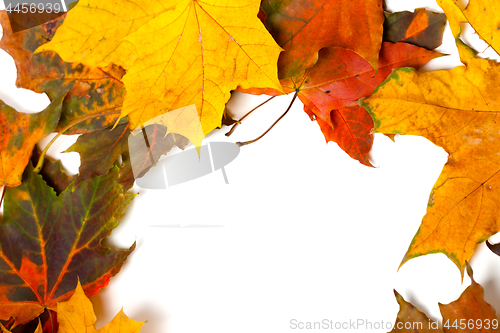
{"points": [[413, 318], [77, 316], [482, 16], [422, 27], [53, 172], [331, 88], [470, 309], [303, 27], [47, 241], [100, 150], [177, 54], [19, 132], [90, 90], [456, 110]]}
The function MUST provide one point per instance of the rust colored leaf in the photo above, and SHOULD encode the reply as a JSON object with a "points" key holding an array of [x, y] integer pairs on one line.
{"points": [[331, 88], [47, 242], [412, 320], [469, 313], [90, 90], [422, 28], [19, 132], [456, 110], [472, 307], [303, 27], [495, 248]]}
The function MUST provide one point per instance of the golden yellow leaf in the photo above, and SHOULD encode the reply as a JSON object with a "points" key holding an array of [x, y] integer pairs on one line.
{"points": [[4, 330], [94, 31], [454, 14], [457, 110], [482, 16], [121, 324], [186, 54], [77, 316]]}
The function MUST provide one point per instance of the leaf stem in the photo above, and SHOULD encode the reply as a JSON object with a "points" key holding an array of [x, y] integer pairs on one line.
{"points": [[258, 138], [42, 155], [246, 115], [3, 193], [51, 321]]}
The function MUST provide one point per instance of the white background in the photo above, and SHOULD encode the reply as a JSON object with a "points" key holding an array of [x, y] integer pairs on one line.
{"points": [[301, 232]]}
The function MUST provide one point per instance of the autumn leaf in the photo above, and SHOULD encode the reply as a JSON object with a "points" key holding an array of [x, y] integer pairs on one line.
{"points": [[469, 313], [411, 319], [121, 324], [101, 149], [302, 28], [20, 20], [37, 330], [19, 132], [456, 110], [77, 316], [331, 88], [4, 330], [90, 90], [177, 54], [482, 16], [53, 172], [470, 305], [422, 27], [47, 242]]}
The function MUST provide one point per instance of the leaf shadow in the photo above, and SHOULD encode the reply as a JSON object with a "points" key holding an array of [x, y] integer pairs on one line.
{"points": [[153, 315]]}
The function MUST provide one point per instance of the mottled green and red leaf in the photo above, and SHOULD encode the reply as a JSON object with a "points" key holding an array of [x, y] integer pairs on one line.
{"points": [[19, 132], [90, 90], [422, 27], [100, 150], [48, 242]]}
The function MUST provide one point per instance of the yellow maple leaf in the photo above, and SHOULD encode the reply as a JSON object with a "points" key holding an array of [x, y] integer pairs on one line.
{"points": [[179, 55], [482, 16], [77, 316], [456, 110]]}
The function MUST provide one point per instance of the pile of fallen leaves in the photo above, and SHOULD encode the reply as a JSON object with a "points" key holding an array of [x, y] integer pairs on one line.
{"points": [[120, 65]]}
